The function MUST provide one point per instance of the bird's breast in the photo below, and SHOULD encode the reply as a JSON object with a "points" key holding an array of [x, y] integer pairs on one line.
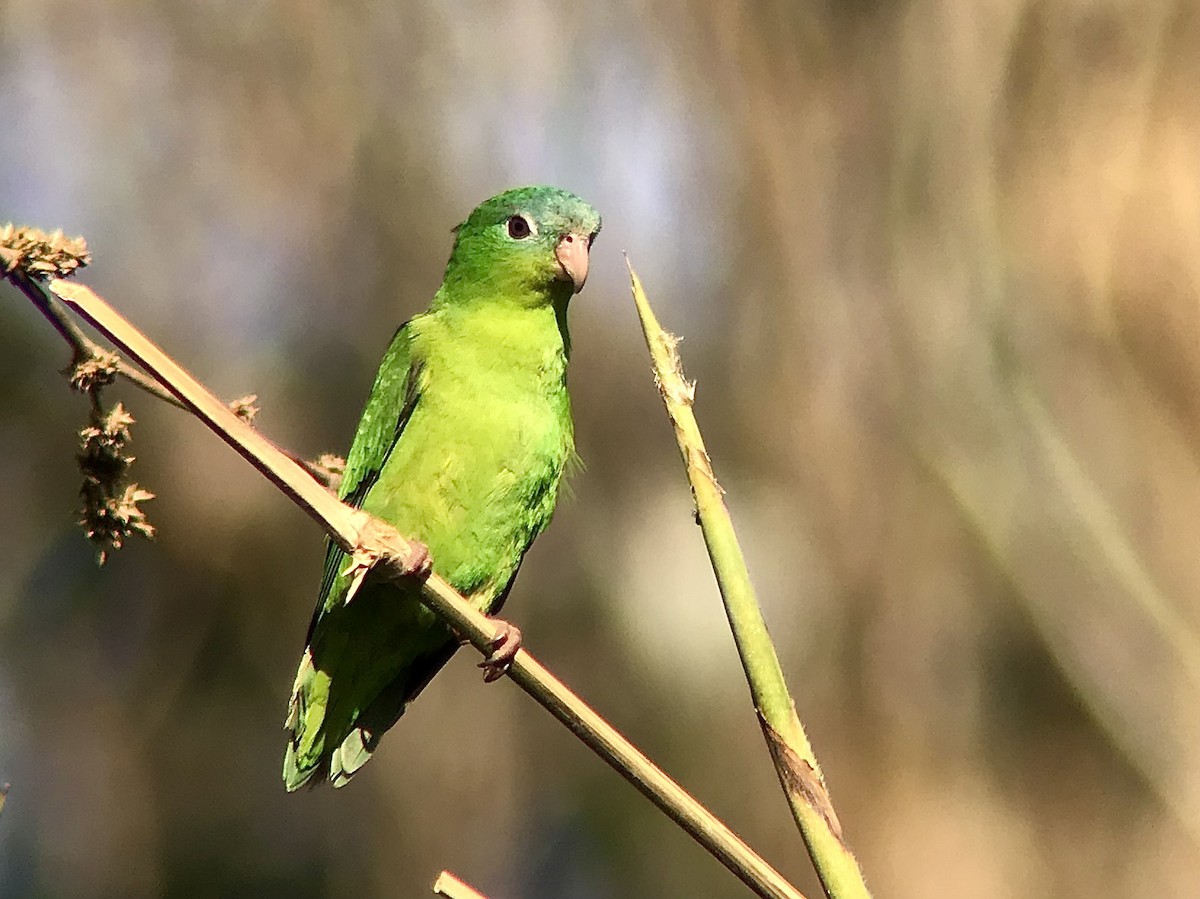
{"points": [[476, 472]]}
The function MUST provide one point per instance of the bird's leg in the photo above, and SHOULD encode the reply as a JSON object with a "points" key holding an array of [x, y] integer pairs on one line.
{"points": [[504, 649]]}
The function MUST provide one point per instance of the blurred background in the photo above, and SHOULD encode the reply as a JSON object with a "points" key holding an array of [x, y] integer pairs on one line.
{"points": [[938, 270]]}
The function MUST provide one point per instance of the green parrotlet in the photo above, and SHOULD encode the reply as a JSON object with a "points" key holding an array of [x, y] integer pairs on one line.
{"points": [[462, 446]]}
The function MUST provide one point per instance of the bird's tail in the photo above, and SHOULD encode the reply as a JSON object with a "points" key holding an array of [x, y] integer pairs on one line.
{"points": [[337, 767], [336, 721], [307, 761], [318, 749]]}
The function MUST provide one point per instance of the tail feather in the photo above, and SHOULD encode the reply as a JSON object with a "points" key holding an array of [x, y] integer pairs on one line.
{"points": [[354, 752], [295, 776], [303, 761], [324, 746], [338, 711]]}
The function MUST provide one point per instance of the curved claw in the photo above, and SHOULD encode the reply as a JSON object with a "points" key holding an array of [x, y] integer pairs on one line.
{"points": [[504, 649]]}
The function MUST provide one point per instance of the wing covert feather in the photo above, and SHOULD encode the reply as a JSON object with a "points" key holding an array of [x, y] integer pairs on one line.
{"points": [[389, 406]]}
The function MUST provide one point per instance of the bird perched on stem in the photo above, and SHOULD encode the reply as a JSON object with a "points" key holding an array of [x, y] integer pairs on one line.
{"points": [[462, 446]]}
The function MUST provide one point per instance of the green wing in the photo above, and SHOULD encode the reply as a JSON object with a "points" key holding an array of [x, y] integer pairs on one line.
{"points": [[393, 397], [389, 407]]}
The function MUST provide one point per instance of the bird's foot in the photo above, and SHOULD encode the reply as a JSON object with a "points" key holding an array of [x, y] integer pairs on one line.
{"points": [[418, 563], [504, 649]]}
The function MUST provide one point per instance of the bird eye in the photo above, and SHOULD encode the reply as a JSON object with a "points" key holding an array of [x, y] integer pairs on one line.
{"points": [[519, 227]]}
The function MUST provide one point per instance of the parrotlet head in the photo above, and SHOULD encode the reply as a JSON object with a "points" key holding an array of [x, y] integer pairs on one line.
{"points": [[530, 240]]}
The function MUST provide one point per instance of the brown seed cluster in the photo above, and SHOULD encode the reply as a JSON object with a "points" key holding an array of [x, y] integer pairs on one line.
{"points": [[95, 371], [43, 255], [111, 511]]}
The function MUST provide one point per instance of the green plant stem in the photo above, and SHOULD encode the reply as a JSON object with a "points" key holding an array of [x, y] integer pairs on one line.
{"points": [[374, 542], [799, 773]]}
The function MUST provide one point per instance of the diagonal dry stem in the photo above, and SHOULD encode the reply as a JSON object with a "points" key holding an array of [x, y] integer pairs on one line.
{"points": [[360, 534]]}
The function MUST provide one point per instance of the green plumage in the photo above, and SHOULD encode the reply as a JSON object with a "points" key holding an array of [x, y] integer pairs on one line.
{"points": [[462, 445]]}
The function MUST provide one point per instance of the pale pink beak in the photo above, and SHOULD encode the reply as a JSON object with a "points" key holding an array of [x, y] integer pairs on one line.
{"points": [[572, 256]]}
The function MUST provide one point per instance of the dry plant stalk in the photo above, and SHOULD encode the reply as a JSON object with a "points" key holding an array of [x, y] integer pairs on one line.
{"points": [[111, 512], [373, 542], [111, 505], [795, 762], [452, 888]]}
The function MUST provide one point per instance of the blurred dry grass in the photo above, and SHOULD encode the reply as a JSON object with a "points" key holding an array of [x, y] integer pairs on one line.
{"points": [[938, 266]]}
